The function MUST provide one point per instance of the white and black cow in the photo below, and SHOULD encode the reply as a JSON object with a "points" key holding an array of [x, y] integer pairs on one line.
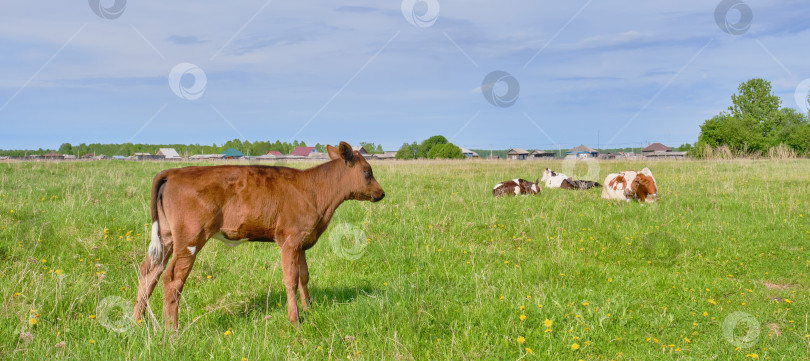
{"points": [[515, 187], [553, 179]]}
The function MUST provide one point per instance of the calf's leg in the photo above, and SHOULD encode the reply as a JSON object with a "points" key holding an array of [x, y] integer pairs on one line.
{"points": [[173, 281], [303, 279], [291, 269], [149, 275]]}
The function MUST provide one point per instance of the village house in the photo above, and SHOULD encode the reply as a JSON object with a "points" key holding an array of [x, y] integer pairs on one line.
{"points": [[540, 154], [232, 153], [168, 153], [302, 151], [517, 154], [658, 150], [468, 153], [583, 151]]}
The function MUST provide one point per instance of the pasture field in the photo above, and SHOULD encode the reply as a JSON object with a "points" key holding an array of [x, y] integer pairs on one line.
{"points": [[717, 269]]}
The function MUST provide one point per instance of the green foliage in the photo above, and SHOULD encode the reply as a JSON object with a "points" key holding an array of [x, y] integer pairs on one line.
{"points": [[371, 148], [434, 147], [686, 147], [445, 151], [754, 122], [407, 151], [429, 143]]}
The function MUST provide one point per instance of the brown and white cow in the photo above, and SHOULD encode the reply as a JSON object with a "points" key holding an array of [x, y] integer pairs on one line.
{"points": [[629, 185], [515, 187], [236, 204]]}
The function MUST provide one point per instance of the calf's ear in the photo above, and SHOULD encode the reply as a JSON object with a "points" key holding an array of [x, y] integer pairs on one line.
{"points": [[346, 152], [333, 152]]}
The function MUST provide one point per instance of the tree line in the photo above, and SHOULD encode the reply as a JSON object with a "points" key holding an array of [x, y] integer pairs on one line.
{"points": [[126, 149]]}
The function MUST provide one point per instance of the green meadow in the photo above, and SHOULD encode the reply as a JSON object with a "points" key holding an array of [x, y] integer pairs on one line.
{"points": [[716, 269]]}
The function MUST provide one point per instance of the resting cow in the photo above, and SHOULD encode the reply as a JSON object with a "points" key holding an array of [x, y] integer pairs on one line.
{"points": [[553, 179], [515, 187], [629, 185], [237, 204], [578, 184]]}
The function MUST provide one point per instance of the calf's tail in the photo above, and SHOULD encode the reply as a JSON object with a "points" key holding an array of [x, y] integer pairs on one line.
{"points": [[156, 246]]}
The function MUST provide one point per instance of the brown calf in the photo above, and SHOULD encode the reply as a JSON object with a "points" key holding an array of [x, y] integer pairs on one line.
{"points": [[235, 204]]}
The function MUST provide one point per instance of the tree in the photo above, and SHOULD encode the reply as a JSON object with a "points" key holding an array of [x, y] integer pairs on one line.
{"points": [[405, 152], [755, 121], [445, 151], [799, 138], [685, 147], [369, 147], [65, 148], [429, 143], [379, 149]]}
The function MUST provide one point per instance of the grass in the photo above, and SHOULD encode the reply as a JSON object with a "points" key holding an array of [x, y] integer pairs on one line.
{"points": [[445, 270]]}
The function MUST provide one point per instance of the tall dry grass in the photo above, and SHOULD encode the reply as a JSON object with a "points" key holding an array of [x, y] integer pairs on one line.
{"points": [[724, 152]]}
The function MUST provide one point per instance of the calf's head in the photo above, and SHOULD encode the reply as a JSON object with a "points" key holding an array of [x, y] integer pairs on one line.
{"points": [[644, 186], [547, 174], [358, 176]]}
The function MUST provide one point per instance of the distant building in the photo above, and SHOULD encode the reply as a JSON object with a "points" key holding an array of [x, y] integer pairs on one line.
{"points": [[119, 157], [655, 147], [468, 153], [517, 154], [583, 151], [360, 150], [303, 151], [492, 157], [385, 155], [658, 150], [206, 156], [274, 152], [146, 156], [541, 154], [53, 156], [168, 153], [232, 153]]}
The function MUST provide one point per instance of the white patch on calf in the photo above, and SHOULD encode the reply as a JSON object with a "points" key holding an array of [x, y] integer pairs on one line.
{"points": [[496, 186], [230, 242], [534, 187], [517, 190], [555, 181], [192, 250]]}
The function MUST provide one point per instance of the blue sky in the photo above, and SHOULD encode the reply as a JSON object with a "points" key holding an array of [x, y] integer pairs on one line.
{"points": [[589, 71]]}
